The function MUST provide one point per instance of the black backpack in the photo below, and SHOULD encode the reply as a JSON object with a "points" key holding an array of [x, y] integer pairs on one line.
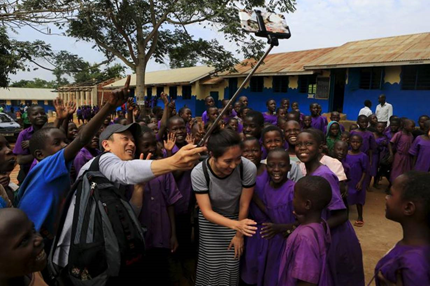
{"points": [[107, 242]]}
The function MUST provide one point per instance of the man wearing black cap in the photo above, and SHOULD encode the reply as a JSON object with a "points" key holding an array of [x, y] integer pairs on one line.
{"points": [[119, 166]]}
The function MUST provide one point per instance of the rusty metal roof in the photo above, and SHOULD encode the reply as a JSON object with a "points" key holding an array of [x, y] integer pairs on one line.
{"points": [[290, 63], [404, 50]]}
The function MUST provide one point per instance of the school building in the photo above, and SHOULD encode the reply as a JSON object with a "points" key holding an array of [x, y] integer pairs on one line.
{"points": [[17, 96], [338, 78]]}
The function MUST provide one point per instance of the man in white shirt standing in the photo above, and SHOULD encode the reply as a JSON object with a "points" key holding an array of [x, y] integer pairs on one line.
{"points": [[384, 110], [366, 109]]}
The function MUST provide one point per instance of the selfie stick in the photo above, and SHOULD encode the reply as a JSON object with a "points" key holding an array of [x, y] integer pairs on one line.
{"points": [[273, 41]]}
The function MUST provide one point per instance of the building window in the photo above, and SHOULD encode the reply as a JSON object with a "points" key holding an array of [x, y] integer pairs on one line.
{"points": [[308, 84], [280, 83], [173, 92], [371, 78], [416, 77], [186, 92], [149, 92], [257, 84], [323, 90], [160, 89]]}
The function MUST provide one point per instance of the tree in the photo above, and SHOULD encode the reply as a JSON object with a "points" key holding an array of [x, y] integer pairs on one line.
{"points": [[34, 83], [136, 31]]}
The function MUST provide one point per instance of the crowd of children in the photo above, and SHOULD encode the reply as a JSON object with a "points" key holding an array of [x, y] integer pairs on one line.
{"points": [[309, 171]]}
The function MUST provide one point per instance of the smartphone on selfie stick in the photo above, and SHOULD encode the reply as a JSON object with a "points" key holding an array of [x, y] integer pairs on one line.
{"points": [[263, 24]]}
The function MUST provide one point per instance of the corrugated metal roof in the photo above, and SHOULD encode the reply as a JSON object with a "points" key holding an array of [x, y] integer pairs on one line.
{"points": [[169, 77], [18, 93], [290, 63], [407, 49], [212, 80]]}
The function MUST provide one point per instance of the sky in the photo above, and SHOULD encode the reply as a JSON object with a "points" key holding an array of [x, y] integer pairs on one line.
{"points": [[315, 24]]}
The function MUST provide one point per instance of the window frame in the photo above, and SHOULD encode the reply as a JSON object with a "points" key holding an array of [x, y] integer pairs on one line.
{"points": [[280, 84], [256, 86]]}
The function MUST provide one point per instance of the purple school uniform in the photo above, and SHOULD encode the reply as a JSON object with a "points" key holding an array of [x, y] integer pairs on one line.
{"points": [[305, 256], [319, 123], [270, 118], [421, 149], [378, 154], [413, 262], [33, 164], [402, 162], [254, 259], [279, 206], [345, 256], [24, 135], [358, 164], [182, 206], [369, 142], [160, 193], [205, 117], [388, 133], [83, 157]]}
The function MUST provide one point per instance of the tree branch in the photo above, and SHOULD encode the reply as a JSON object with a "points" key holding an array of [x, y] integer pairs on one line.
{"points": [[124, 35]]}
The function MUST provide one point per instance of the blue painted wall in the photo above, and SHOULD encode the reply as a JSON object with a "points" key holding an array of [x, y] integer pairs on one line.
{"points": [[257, 100], [407, 103]]}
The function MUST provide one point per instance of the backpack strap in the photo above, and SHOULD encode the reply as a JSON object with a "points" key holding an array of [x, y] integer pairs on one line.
{"points": [[53, 270]]}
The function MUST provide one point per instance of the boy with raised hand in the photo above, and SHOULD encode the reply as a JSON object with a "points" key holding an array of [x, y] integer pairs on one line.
{"points": [[43, 189]]}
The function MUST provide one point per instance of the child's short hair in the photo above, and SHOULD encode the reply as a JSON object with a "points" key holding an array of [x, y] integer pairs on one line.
{"points": [[173, 118], [271, 128], [256, 117], [317, 134], [182, 109], [252, 139], [416, 188], [356, 135], [316, 189], [279, 150], [38, 140]]}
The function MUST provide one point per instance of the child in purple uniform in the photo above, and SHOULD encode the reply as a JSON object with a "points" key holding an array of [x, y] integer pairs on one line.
{"points": [[158, 215], [340, 152], [254, 259], [209, 102], [393, 128], [408, 203], [368, 146], [272, 138], [421, 150], [38, 118], [304, 258], [87, 153], [307, 122], [345, 256], [401, 143], [359, 164], [380, 156], [269, 115], [278, 197], [318, 121]]}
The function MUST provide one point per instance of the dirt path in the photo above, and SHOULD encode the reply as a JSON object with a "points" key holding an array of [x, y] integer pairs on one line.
{"points": [[378, 235]]}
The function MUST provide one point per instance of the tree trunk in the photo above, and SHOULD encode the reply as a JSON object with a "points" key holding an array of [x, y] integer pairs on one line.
{"points": [[140, 81]]}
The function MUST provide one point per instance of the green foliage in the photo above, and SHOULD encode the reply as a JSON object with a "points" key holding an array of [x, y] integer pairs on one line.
{"points": [[34, 83], [135, 31]]}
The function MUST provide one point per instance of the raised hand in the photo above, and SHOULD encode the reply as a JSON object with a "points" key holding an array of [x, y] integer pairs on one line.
{"points": [[60, 109], [119, 96], [25, 144], [190, 138], [164, 98], [170, 143], [130, 104], [71, 107]]}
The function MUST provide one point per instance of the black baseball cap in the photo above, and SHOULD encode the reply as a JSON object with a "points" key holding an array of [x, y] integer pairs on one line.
{"points": [[134, 128]]}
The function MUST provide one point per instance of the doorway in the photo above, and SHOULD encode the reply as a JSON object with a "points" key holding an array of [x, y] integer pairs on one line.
{"points": [[339, 76]]}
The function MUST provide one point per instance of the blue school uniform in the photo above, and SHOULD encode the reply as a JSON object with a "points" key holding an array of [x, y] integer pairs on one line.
{"points": [[43, 189]]}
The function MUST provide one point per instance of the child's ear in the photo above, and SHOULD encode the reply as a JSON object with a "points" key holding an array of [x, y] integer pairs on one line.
{"points": [[409, 208], [38, 154], [308, 204]]}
